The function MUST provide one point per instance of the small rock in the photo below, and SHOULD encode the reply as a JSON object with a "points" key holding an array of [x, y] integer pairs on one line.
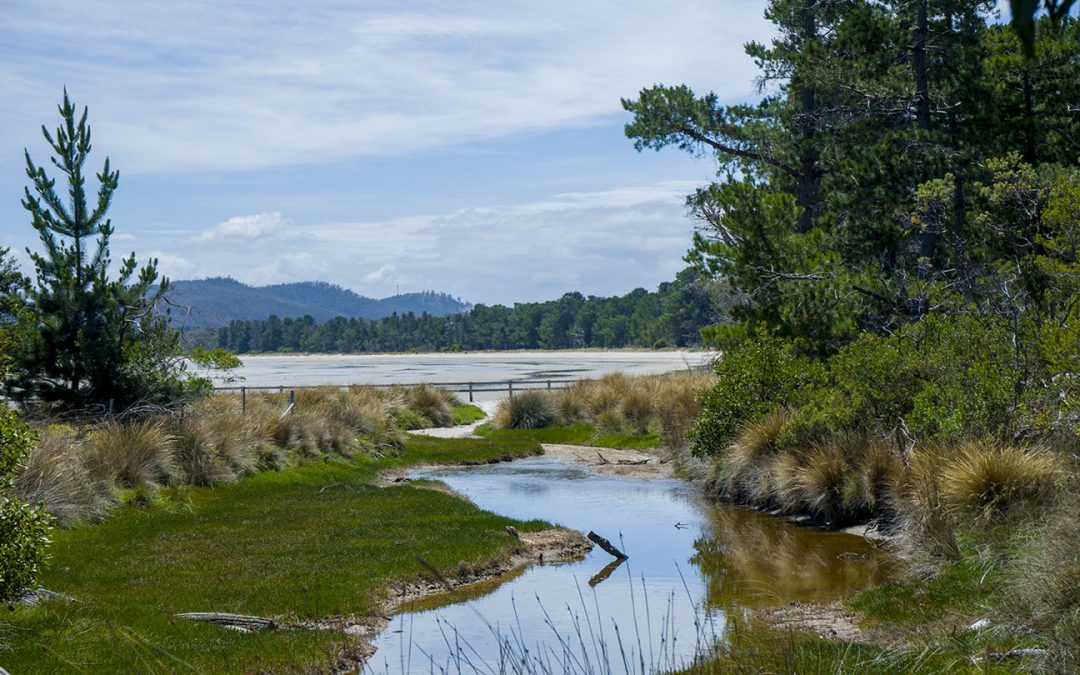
{"points": [[981, 624]]}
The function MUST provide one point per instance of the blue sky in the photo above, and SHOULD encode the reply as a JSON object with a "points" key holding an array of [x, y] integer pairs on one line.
{"points": [[473, 147]]}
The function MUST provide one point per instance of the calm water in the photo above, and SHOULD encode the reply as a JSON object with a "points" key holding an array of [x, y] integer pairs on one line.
{"points": [[681, 588], [284, 370]]}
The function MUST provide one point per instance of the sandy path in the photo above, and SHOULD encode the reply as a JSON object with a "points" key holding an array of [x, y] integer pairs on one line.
{"points": [[466, 430]]}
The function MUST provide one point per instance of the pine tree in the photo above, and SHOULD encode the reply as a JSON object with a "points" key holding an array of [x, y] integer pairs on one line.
{"points": [[86, 339]]}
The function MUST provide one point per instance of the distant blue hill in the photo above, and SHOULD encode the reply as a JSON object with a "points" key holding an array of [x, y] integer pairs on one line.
{"points": [[212, 303]]}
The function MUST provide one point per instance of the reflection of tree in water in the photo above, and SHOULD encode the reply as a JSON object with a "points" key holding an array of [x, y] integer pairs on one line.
{"points": [[749, 558]]}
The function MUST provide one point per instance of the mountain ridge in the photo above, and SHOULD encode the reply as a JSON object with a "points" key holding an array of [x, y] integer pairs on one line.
{"points": [[211, 303]]}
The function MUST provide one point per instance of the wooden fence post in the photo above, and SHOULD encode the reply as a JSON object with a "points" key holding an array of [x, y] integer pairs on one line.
{"points": [[470, 392], [243, 400], [510, 384]]}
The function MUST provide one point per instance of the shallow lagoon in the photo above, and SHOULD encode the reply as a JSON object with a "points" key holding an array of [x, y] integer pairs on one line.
{"points": [[695, 570]]}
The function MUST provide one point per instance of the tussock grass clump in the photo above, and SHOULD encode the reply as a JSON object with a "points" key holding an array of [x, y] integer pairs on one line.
{"points": [[985, 480], [527, 410], [667, 404], [137, 455], [433, 403], [55, 473], [216, 443], [929, 529], [746, 460]]}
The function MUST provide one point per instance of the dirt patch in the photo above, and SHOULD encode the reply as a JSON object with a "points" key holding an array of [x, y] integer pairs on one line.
{"points": [[829, 622], [400, 477], [614, 462]]}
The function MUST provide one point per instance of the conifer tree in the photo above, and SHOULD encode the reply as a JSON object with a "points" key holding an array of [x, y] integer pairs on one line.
{"points": [[87, 339]]}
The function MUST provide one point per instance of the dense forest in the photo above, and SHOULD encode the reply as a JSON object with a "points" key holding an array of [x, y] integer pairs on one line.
{"points": [[671, 316]]}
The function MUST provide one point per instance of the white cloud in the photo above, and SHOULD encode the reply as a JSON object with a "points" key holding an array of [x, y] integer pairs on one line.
{"points": [[602, 243], [239, 229], [206, 83]]}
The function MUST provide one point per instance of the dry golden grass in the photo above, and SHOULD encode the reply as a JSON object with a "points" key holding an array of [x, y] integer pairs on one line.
{"points": [[616, 403], [217, 443], [55, 474], [984, 480], [527, 410], [1044, 596], [435, 404], [138, 455]]}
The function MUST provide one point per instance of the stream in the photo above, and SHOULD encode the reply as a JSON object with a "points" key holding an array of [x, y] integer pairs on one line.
{"points": [[695, 569]]}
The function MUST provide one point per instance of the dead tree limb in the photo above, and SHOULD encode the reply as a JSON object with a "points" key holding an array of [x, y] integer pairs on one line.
{"points": [[606, 545]]}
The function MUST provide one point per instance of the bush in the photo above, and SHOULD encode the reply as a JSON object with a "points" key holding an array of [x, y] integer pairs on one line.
{"points": [[24, 529], [527, 410], [753, 379]]}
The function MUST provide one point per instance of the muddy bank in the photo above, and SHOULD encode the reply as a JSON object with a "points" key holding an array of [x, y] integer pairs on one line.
{"points": [[639, 464]]}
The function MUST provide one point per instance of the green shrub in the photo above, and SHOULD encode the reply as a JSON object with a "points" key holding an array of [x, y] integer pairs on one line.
{"points": [[24, 529], [753, 379]]}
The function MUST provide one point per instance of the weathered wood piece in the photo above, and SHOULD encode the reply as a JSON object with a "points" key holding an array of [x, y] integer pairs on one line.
{"points": [[606, 545], [232, 620]]}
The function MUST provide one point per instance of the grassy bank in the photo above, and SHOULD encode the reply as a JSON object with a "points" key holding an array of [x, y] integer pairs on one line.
{"points": [[614, 411], [314, 541]]}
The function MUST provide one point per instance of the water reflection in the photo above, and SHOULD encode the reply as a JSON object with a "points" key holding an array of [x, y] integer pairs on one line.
{"points": [[752, 559], [693, 568]]}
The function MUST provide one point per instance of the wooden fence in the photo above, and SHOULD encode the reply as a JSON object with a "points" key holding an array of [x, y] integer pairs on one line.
{"points": [[471, 388]]}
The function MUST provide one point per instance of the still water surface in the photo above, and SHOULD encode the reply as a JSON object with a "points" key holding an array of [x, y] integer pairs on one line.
{"points": [[681, 588]]}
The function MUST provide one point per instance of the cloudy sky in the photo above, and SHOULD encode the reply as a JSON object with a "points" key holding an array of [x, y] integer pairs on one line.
{"points": [[473, 147]]}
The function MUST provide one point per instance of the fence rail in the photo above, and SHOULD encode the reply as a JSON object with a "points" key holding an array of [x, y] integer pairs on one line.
{"points": [[470, 388]]}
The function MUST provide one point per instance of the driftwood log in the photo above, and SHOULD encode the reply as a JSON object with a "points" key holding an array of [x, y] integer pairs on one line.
{"points": [[606, 545], [251, 623]]}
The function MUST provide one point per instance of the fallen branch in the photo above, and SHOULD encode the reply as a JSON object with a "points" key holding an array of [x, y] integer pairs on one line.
{"points": [[606, 545], [232, 620]]}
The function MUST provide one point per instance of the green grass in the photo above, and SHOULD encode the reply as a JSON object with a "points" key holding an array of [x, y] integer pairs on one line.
{"points": [[754, 650], [578, 433], [314, 541], [961, 591], [467, 413]]}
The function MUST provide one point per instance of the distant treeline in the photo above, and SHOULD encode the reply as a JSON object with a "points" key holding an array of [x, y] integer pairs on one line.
{"points": [[671, 316]]}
